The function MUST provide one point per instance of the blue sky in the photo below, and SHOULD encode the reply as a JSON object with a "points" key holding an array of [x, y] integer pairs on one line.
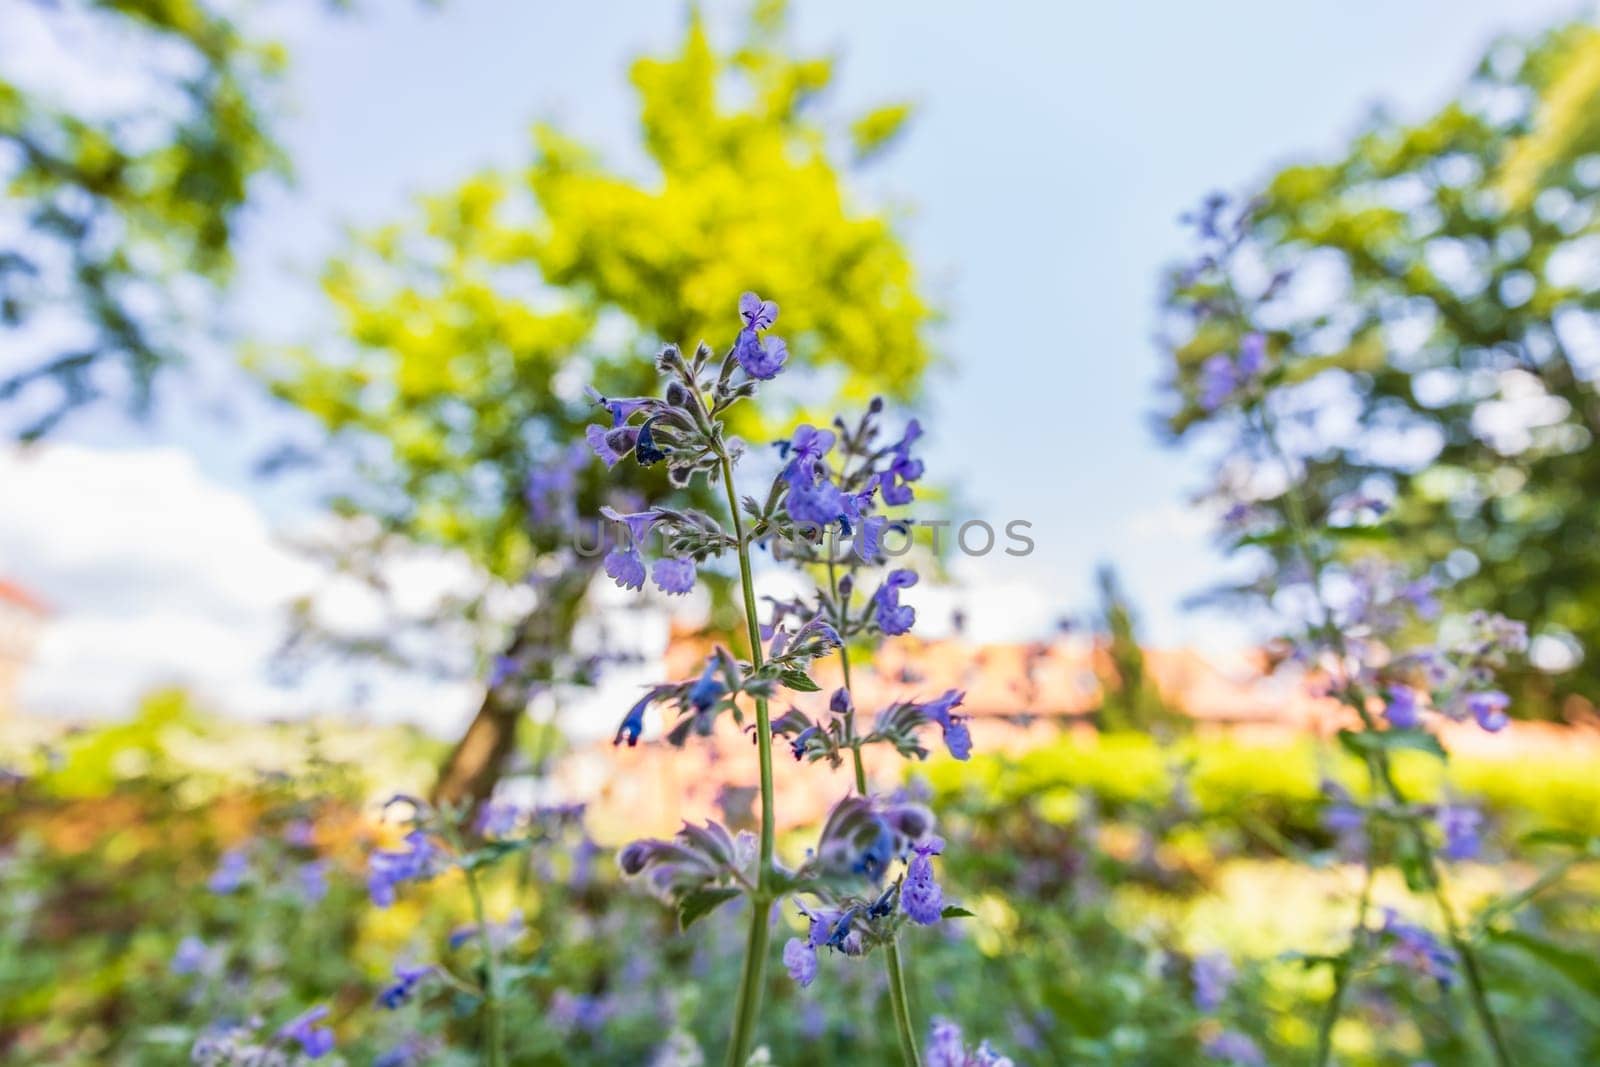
{"points": [[1054, 148]]}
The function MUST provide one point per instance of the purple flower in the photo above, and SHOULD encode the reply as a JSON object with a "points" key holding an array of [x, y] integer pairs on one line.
{"points": [[1418, 950], [760, 359], [1213, 974], [623, 564], [633, 722], [674, 576], [405, 983], [498, 819], [621, 410], [804, 452], [313, 881], [800, 960], [571, 1011], [418, 861], [1230, 1046], [895, 481], [315, 1041], [1461, 827], [840, 703], [1401, 710], [502, 670], [920, 895], [868, 540], [408, 1052], [758, 314], [947, 1048], [610, 445], [1252, 355], [624, 567], [798, 743], [646, 452], [817, 504], [958, 739], [1489, 708], [231, 872], [894, 618], [191, 957], [1420, 594], [706, 689], [500, 934], [1217, 381], [764, 359]]}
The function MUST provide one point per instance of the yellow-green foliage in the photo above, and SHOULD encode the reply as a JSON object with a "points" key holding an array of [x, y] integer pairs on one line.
{"points": [[1230, 777], [474, 323]]}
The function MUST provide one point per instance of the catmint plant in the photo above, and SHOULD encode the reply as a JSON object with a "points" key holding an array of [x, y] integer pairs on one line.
{"points": [[826, 513], [1374, 636]]}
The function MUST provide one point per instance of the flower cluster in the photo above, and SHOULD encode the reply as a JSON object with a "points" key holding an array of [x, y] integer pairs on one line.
{"points": [[830, 484]]}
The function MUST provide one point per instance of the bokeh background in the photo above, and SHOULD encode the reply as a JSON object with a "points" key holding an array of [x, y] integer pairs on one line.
{"points": [[296, 298]]}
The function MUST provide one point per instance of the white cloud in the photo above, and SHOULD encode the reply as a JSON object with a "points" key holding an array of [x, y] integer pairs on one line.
{"points": [[157, 575]]}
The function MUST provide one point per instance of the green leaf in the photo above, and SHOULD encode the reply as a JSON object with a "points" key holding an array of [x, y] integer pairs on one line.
{"points": [[702, 902], [953, 912], [1310, 960], [491, 852], [799, 681], [1573, 839], [1362, 743], [1581, 969], [874, 131]]}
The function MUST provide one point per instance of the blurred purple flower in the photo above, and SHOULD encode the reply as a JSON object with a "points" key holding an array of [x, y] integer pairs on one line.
{"points": [[231, 872], [315, 1041], [1461, 827], [1213, 974]]}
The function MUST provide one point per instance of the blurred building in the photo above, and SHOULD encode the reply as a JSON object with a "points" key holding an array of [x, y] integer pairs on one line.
{"points": [[22, 616]]}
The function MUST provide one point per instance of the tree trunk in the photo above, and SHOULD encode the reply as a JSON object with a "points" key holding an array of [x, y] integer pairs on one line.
{"points": [[541, 644]]}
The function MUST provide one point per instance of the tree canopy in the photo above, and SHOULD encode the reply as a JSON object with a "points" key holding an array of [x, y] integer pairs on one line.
{"points": [[473, 326], [1430, 298], [120, 215]]}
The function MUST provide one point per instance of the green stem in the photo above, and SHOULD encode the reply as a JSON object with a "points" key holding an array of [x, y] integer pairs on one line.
{"points": [[1511, 903], [891, 958], [902, 1008], [1342, 969], [491, 970], [752, 976], [1379, 768], [844, 666]]}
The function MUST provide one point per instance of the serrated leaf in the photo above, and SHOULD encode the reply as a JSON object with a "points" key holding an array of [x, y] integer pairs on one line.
{"points": [[951, 911], [799, 681], [702, 902]]}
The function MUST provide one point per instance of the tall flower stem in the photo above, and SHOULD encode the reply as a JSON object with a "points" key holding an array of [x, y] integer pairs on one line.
{"points": [[491, 973], [1341, 972], [1379, 769], [844, 667], [902, 1009], [891, 957], [752, 976]]}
